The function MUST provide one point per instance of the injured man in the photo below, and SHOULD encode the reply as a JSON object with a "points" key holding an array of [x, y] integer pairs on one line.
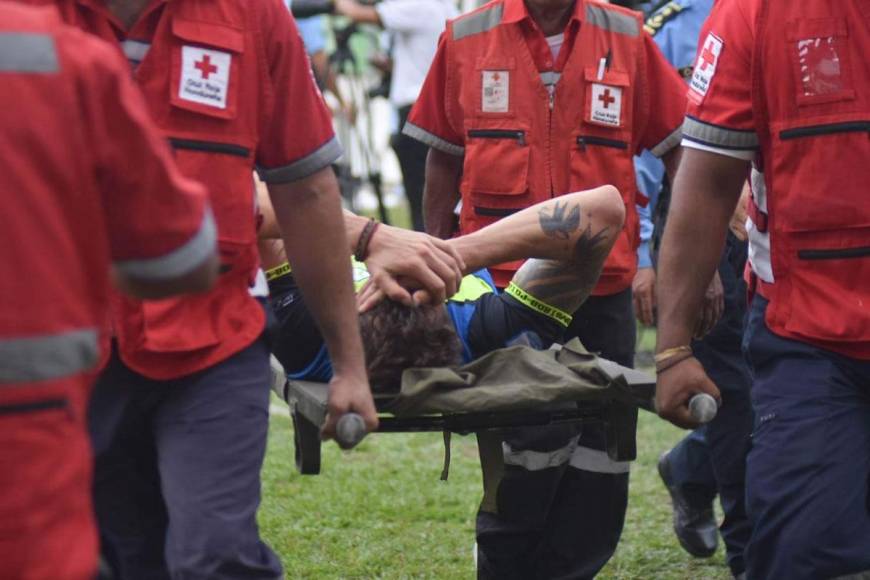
{"points": [[565, 241]]}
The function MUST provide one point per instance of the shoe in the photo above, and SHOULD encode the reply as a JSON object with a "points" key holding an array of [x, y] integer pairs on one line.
{"points": [[694, 525]]}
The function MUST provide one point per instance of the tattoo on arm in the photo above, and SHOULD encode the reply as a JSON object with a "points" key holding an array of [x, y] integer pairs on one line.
{"points": [[567, 284], [559, 225]]}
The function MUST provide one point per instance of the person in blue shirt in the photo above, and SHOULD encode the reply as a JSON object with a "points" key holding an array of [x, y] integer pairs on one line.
{"points": [[568, 239], [712, 458]]}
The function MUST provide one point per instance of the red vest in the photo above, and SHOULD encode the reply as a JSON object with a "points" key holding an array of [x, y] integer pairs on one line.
{"points": [[812, 106], [522, 147], [170, 338]]}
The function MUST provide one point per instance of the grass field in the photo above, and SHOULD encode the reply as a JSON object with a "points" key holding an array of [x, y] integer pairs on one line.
{"points": [[380, 511]]}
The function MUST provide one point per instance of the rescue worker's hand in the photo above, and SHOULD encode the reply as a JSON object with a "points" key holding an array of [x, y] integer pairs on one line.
{"points": [[417, 261], [643, 290], [346, 395], [711, 310], [738, 219], [676, 385]]}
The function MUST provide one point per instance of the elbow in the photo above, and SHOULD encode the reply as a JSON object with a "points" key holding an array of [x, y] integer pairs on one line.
{"points": [[612, 208]]}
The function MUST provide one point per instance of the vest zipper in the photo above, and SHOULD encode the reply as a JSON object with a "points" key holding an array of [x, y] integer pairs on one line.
{"points": [[839, 254], [828, 129], [516, 134], [34, 407], [584, 140], [209, 147]]}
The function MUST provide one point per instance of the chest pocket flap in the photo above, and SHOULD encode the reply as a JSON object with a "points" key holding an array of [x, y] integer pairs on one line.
{"points": [[217, 35]]}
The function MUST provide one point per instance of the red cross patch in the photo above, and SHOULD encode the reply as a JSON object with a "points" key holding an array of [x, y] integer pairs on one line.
{"points": [[705, 68], [606, 105], [205, 76]]}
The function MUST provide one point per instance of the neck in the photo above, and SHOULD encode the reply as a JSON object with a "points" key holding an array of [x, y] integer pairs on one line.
{"points": [[551, 16], [127, 11]]}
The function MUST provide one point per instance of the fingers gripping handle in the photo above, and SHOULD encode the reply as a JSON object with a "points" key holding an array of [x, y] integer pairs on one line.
{"points": [[350, 430], [703, 408]]}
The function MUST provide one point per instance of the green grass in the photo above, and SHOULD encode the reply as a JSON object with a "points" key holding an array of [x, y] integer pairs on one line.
{"points": [[380, 511]]}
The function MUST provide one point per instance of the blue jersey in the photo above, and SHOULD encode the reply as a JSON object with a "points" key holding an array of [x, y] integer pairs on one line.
{"points": [[675, 27], [483, 318]]}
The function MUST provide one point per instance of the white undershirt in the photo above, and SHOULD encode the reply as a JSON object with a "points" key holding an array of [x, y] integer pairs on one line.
{"points": [[555, 43]]}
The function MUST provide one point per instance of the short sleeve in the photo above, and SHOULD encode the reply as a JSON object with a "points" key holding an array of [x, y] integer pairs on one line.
{"points": [[665, 108], [159, 224], [429, 121], [719, 114], [296, 135]]}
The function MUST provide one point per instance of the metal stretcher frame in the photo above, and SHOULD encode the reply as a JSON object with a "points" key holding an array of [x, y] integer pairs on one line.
{"points": [[308, 401]]}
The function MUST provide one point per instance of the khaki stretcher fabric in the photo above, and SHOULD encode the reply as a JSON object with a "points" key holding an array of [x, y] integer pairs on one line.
{"points": [[516, 378]]}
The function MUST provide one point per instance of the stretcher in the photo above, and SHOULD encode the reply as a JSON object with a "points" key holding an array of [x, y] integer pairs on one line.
{"points": [[308, 405]]}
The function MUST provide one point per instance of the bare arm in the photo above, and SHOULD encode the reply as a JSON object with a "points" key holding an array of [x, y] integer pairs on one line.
{"points": [[357, 12], [308, 212], [441, 193], [570, 235], [671, 160], [704, 196]]}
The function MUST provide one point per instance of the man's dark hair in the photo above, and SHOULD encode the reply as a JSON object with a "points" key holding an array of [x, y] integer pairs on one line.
{"points": [[397, 337]]}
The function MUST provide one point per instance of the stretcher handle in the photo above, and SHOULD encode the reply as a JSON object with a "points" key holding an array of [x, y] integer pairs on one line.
{"points": [[703, 408], [350, 430]]}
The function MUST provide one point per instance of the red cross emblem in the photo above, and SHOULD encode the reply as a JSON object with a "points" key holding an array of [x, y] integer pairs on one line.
{"points": [[606, 98], [496, 77], [205, 66], [707, 56]]}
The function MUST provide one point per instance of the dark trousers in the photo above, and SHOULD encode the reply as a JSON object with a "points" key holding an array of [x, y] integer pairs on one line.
{"points": [[712, 459], [177, 476], [412, 160], [561, 500], [808, 472]]}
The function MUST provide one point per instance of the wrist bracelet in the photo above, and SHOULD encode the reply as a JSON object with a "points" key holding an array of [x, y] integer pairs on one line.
{"points": [[362, 245], [671, 352], [672, 361]]}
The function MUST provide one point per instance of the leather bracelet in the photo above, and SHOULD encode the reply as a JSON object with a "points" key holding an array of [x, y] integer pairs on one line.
{"points": [[362, 245], [672, 361]]}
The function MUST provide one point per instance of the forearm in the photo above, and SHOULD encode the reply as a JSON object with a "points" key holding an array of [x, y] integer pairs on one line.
{"points": [[441, 192], [704, 195], [309, 213], [547, 230], [358, 12]]}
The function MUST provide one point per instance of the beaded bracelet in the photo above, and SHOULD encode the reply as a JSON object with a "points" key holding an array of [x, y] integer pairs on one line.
{"points": [[362, 245]]}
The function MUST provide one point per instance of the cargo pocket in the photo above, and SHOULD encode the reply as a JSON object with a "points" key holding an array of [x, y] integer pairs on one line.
{"points": [[497, 161], [821, 62], [831, 267]]}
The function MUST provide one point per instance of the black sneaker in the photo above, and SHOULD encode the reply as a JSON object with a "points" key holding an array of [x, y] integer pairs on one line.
{"points": [[694, 525]]}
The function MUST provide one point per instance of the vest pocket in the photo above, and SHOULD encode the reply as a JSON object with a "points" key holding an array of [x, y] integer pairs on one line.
{"points": [[205, 61], [821, 61], [496, 162], [828, 277]]}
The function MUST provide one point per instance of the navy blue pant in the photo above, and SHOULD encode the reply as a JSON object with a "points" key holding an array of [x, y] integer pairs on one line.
{"points": [[712, 459], [808, 472], [562, 501], [177, 475]]}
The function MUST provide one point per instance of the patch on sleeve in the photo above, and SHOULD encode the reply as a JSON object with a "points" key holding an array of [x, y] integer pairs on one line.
{"points": [[205, 76], [495, 93], [705, 68]]}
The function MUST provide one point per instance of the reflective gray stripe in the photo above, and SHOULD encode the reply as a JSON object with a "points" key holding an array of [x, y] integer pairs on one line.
{"points": [[27, 53], [46, 357], [668, 143], [550, 78], [612, 20], [477, 22], [135, 50], [424, 136], [179, 261], [597, 461], [707, 134], [322, 157], [538, 460]]}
